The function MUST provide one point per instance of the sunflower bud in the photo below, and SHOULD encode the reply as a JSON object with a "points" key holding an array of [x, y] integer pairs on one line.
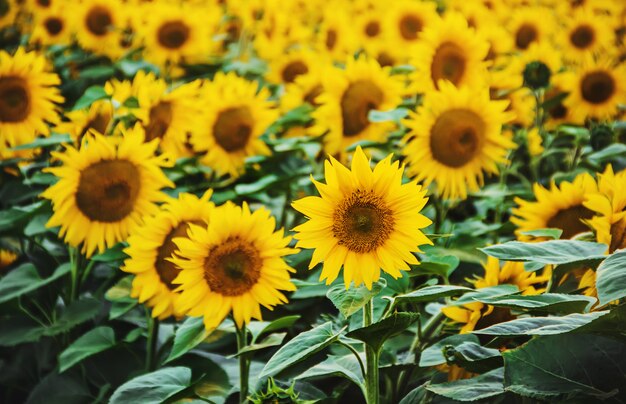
{"points": [[536, 75], [601, 137]]}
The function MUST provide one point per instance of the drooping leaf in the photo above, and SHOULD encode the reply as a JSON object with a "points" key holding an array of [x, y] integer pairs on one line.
{"points": [[491, 291], [51, 140], [191, 333], [349, 301], [487, 385], [438, 264], [573, 363], [301, 347], [60, 389], [376, 334], [611, 278], [472, 356], [551, 233], [430, 293], [433, 355], [270, 341], [345, 366], [155, 387], [91, 343], [541, 325], [278, 324], [545, 303], [25, 279], [76, 313], [91, 95]]}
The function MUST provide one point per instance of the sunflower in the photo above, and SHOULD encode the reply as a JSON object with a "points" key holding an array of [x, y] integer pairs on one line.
{"points": [[510, 273], [561, 207], [455, 136], [277, 32], [364, 221], [405, 20], [449, 50], [542, 52], [595, 90], [8, 11], [52, 27], [236, 116], [105, 188], [6, 259], [534, 142], [555, 110], [531, 24], [98, 117], [151, 247], [97, 24], [291, 65], [27, 97], [335, 36], [304, 90], [349, 95], [236, 263], [586, 33]]}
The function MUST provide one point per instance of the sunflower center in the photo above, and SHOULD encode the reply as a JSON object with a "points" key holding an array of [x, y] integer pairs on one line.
{"points": [[5, 7], [362, 222], [99, 123], [582, 36], [293, 70], [99, 20], [233, 128], [312, 95], [372, 29], [160, 120], [173, 34], [44, 3], [385, 59], [569, 220], [331, 39], [107, 190], [557, 110], [597, 87], [14, 99], [526, 34], [357, 101], [53, 25], [449, 63], [168, 271], [456, 137], [618, 236], [410, 26], [233, 267]]}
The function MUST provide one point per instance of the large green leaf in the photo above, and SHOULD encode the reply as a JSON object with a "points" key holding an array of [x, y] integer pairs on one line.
{"points": [[25, 279], [545, 303], [541, 325], [51, 140], [97, 340], [483, 293], [556, 252], [270, 341], [473, 356], [611, 278], [477, 388], [60, 389], [349, 301], [300, 348], [278, 324], [438, 264], [188, 336], [345, 366], [433, 355], [430, 293], [551, 233], [155, 387], [574, 363], [376, 334], [91, 95]]}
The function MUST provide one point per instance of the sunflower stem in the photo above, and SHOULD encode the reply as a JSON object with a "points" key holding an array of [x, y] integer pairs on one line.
{"points": [[74, 272], [151, 343], [244, 364], [371, 357]]}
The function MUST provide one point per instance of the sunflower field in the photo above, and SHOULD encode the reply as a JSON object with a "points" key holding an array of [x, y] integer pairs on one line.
{"points": [[312, 201]]}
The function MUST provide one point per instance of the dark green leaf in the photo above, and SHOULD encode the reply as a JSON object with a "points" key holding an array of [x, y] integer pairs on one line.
{"points": [[98, 72], [60, 389], [25, 279], [541, 325], [188, 336], [339, 366], [349, 301], [76, 313], [491, 291], [92, 94], [113, 254], [278, 324], [155, 387], [547, 252], [37, 225], [259, 185], [433, 355], [430, 293], [477, 388], [301, 347], [270, 341], [611, 278], [607, 153], [441, 265], [545, 303], [94, 341], [376, 334], [473, 356]]}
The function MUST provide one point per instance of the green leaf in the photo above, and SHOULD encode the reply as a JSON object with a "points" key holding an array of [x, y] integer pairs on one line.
{"points": [[477, 388], [547, 252], [565, 364], [188, 336], [541, 325], [608, 153], [97, 340], [545, 303], [376, 334], [554, 234], [155, 387], [270, 341], [60, 389], [301, 347], [37, 225], [433, 355], [349, 301], [611, 278], [393, 115], [345, 366], [91, 95], [98, 72], [441, 265], [430, 293], [25, 279], [113, 254], [76, 313], [278, 324], [483, 293], [51, 140], [259, 185], [472, 356], [19, 330]]}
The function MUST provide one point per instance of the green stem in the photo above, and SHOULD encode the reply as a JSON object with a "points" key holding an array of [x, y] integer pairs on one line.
{"points": [[151, 343], [358, 357], [425, 332], [371, 357], [244, 364], [74, 269]]}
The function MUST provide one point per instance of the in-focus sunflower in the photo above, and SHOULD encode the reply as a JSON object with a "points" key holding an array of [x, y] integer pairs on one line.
{"points": [[609, 204], [405, 20], [531, 24], [595, 90], [27, 97], [365, 220], [560, 207], [105, 189], [97, 24], [349, 95], [586, 33], [98, 117], [449, 50], [235, 264], [455, 136], [291, 65], [236, 115], [151, 246]]}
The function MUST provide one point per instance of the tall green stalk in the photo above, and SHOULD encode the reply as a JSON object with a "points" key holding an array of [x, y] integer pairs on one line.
{"points": [[151, 343], [244, 364], [371, 356]]}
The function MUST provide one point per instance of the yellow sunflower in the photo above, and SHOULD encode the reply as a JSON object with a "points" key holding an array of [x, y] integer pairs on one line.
{"points": [[596, 89], [405, 20], [97, 24], [335, 35], [561, 207], [349, 95], [304, 90], [365, 220], [586, 33], [235, 264], [277, 32], [291, 65], [8, 11], [449, 50], [6, 259], [556, 112], [98, 117], [27, 97], [151, 246], [52, 27], [529, 25], [235, 117], [105, 189], [455, 136]]}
